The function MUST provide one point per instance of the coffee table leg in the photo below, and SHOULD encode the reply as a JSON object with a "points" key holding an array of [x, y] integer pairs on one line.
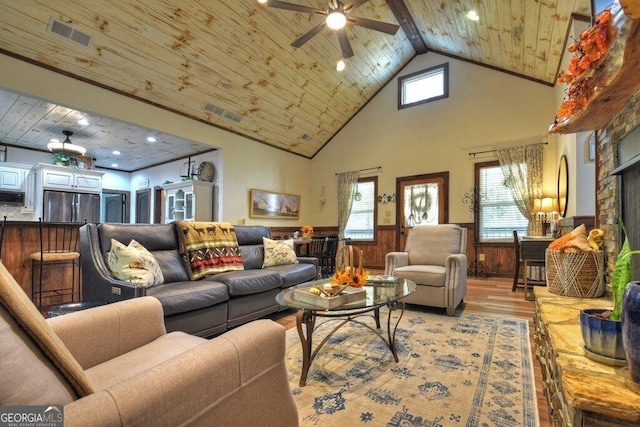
{"points": [[376, 316], [307, 319], [392, 336]]}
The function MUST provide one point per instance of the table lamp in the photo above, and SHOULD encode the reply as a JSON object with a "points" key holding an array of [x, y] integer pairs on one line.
{"points": [[548, 205]]}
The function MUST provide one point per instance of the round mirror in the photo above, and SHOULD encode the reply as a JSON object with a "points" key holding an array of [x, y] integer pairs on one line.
{"points": [[563, 185]]}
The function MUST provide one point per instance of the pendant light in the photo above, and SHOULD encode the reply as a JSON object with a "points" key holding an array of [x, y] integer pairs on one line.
{"points": [[66, 147]]}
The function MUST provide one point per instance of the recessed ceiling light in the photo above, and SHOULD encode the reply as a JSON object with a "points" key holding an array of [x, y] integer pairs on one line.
{"points": [[54, 140], [340, 65], [116, 152], [262, 1], [83, 121], [473, 15], [151, 139], [114, 165]]}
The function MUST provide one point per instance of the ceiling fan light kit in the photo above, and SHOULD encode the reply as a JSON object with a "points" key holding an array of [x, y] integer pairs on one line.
{"points": [[66, 147], [336, 20], [338, 15]]}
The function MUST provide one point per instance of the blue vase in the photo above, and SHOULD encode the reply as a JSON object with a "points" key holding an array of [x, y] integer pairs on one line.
{"points": [[631, 329], [602, 337]]}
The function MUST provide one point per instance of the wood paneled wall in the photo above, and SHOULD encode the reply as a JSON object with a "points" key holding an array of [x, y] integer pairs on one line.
{"points": [[20, 240], [499, 257]]}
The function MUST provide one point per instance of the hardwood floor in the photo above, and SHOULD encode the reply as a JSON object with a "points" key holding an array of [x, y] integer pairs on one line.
{"points": [[491, 297]]}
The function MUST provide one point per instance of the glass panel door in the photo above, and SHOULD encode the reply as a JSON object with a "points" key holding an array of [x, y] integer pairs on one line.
{"points": [[422, 199]]}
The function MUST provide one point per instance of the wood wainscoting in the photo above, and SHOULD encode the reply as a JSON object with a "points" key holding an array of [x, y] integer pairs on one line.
{"points": [[21, 239], [499, 257]]}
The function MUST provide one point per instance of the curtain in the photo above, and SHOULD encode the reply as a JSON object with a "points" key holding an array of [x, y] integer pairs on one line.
{"points": [[346, 188], [522, 169]]}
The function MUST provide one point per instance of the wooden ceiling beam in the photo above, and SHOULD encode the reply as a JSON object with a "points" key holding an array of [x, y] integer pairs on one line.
{"points": [[408, 25]]}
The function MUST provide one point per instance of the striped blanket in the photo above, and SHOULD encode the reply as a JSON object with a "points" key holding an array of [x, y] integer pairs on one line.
{"points": [[209, 248]]}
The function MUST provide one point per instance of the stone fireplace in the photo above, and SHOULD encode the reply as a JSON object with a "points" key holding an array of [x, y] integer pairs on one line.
{"points": [[618, 181]]}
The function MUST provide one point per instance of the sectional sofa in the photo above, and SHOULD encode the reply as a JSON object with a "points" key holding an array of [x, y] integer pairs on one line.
{"points": [[204, 307]]}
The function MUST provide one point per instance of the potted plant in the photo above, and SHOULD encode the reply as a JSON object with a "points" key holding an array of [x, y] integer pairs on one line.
{"points": [[60, 159], [602, 328]]}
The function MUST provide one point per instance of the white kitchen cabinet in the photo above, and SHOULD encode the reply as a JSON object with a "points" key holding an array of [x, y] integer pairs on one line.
{"points": [[51, 177], [12, 177], [188, 201]]}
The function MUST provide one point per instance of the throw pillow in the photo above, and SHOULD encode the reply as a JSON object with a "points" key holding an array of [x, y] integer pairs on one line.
{"points": [[278, 252], [134, 263]]}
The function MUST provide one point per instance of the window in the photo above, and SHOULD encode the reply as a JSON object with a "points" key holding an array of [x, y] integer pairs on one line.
{"points": [[424, 86], [362, 219], [499, 215]]}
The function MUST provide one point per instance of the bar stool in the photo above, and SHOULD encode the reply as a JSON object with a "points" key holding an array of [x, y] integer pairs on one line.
{"points": [[58, 244], [4, 222]]}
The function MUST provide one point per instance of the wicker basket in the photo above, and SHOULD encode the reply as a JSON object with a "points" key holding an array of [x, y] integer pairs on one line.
{"points": [[575, 274]]}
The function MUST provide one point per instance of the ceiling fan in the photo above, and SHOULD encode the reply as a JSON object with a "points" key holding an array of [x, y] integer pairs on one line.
{"points": [[337, 16]]}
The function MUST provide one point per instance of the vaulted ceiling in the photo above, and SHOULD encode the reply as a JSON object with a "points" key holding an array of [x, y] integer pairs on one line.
{"points": [[230, 63]]}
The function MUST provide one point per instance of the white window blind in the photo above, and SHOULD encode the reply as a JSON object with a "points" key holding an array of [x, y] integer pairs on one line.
{"points": [[360, 225], [499, 215]]}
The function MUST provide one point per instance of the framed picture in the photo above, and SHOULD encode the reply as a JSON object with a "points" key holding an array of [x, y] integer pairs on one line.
{"points": [[272, 205]]}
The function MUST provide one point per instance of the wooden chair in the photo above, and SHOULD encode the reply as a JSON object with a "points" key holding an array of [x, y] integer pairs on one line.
{"points": [[328, 260], [517, 280], [316, 249], [58, 244]]}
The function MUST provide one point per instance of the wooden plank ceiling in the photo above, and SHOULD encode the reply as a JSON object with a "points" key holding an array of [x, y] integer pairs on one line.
{"points": [[234, 56]]}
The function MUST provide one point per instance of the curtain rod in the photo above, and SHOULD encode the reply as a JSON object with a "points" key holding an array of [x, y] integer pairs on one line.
{"points": [[493, 151], [377, 168]]}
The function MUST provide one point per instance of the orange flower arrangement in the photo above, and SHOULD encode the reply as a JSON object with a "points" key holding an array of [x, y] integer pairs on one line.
{"points": [[592, 47], [352, 277], [306, 229]]}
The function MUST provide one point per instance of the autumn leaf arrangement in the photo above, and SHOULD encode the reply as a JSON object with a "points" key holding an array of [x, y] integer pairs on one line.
{"points": [[592, 47]]}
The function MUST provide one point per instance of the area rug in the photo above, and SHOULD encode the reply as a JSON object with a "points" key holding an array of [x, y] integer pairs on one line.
{"points": [[453, 371]]}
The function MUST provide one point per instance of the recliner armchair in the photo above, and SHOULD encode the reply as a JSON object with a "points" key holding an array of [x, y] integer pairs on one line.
{"points": [[435, 258], [116, 365]]}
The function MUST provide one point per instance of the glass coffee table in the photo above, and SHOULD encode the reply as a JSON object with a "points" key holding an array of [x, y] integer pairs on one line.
{"points": [[377, 296]]}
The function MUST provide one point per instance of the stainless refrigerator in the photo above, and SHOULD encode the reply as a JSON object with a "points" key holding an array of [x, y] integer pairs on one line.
{"points": [[61, 206]]}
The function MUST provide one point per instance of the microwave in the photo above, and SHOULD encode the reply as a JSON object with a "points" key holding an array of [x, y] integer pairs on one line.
{"points": [[11, 198]]}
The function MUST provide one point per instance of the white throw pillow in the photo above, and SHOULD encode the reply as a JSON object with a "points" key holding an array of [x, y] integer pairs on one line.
{"points": [[134, 263], [278, 252]]}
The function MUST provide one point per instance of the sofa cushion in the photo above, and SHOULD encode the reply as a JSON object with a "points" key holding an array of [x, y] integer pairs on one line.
{"points": [[431, 275], [172, 265], [180, 297], [278, 252], [251, 247], [210, 248], [134, 263], [432, 244], [154, 237], [248, 282], [294, 274]]}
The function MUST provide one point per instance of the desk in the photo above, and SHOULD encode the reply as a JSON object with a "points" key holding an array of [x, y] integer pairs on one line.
{"points": [[532, 252], [299, 242]]}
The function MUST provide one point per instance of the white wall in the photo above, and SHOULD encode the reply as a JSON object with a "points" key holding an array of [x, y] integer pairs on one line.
{"points": [[485, 110]]}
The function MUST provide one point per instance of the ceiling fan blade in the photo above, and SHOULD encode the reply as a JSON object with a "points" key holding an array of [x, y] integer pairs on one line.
{"points": [[345, 44], [295, 7], [353, 5], [373, 25], [307, 36]]}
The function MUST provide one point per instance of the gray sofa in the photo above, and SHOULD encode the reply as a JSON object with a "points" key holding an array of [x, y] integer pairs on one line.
{"points": [[205, 307]]}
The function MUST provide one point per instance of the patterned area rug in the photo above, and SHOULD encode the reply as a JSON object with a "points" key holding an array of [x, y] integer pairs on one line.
{"points": [[453, 371]]}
